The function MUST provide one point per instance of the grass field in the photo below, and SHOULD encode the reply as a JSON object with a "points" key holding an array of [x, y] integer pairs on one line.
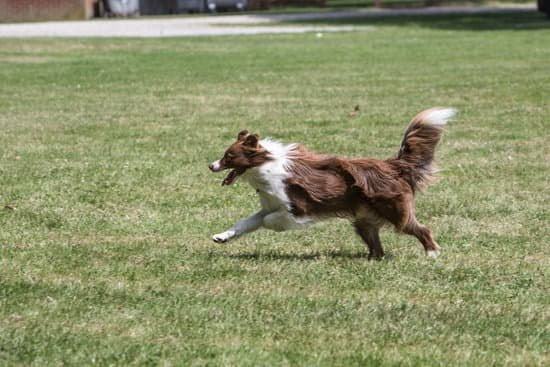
{"points": [[107, 205]]}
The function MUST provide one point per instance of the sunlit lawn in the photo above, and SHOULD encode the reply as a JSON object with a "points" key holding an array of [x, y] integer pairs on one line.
{"points": [[107, 205]]}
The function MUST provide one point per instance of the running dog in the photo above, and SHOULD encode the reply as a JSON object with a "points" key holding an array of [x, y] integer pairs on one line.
{"points": [[298, 187]]}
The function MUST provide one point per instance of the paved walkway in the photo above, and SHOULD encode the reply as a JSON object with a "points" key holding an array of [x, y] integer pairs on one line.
{"points": [[223, 24]]}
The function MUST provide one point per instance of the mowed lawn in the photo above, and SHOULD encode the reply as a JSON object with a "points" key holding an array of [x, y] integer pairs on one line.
{"points": [[107, 206]]}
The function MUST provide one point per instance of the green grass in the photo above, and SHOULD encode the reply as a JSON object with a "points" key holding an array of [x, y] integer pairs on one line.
{"points": [[105, 251]]}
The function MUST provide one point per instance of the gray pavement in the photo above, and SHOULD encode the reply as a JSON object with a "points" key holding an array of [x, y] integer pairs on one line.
{"points": [[224, 24]]}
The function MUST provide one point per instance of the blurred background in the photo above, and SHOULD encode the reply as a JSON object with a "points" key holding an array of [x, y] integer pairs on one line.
{"points": [[39, 10]]}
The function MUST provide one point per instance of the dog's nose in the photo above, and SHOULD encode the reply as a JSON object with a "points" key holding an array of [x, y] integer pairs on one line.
{"points": [[215, 166]]}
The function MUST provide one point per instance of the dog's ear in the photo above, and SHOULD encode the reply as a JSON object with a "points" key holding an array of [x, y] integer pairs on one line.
{"points": [[252, 140], [242, 135]]}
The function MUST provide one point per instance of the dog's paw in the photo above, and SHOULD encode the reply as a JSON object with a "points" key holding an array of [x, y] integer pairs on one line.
{"points": [[218, 238], [377, 257], [223, 237], [432, 253]]}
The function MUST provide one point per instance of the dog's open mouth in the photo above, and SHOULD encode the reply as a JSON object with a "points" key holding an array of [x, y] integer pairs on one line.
{"points": [[232, 176]]}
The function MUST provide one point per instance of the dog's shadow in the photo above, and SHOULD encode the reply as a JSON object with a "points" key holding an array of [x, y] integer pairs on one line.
{"points": [[310, 256]]}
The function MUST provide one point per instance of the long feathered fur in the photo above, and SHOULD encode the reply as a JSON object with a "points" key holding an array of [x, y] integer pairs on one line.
{"points": [[418, 145]]}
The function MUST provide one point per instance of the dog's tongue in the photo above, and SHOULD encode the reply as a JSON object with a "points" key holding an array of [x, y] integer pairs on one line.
{"points": [[230, 178]]}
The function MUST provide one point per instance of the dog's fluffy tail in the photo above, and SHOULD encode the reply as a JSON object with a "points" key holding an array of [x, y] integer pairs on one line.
{"points": [[418, 145]]}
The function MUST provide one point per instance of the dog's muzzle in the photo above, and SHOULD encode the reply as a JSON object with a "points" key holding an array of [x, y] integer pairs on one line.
{"points": [[216, 166]]}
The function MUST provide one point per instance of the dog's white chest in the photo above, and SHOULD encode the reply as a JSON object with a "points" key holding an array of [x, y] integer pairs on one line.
{"points": [[270, 187]]}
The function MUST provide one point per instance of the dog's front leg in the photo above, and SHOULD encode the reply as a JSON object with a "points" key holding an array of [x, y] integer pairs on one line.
{"points": [[241, 227], [281, 220]]}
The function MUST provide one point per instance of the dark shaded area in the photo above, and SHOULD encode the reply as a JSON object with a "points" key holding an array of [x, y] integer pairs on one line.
{"points": [[156, 7], [510, 20], [275, 255], [298, 256]]}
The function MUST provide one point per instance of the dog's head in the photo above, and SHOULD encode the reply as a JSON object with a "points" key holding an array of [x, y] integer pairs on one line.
{"points": [[242, 155]]}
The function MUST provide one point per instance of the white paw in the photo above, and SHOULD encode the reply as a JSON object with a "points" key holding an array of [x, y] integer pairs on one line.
{"points": [[223, 237], [432, 253]]}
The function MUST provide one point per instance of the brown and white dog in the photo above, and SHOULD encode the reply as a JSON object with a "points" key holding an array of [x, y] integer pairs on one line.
{"points": [[297, 187]]}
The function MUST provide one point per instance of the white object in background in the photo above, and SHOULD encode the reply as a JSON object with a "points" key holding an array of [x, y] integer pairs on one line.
{"points": [[124, 7]]}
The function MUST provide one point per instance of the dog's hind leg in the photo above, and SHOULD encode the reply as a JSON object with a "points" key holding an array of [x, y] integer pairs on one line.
{"points": [[424, 235], [369, 234], [401, 213]]}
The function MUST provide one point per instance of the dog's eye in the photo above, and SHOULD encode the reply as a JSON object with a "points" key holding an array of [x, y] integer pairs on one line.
{"points": [[229, 156]]}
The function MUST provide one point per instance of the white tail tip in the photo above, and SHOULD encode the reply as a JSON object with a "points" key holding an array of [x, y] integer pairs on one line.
{"points": [[439, 116]]}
